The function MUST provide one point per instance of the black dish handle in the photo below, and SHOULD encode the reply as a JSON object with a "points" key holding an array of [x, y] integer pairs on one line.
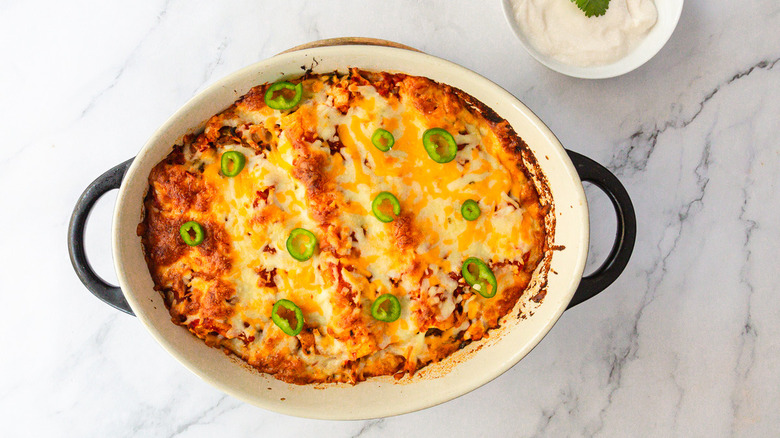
{"points": [[625, 236], [110, 294]]}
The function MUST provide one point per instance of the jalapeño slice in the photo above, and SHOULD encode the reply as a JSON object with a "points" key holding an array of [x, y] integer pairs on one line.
{"points": [[479, 276], [283, 95], [440, 145], [192, 233], [288, 317], [380, 207], [301, 244], [232, 162], [386, 308], [470, 210], [383, 140]]}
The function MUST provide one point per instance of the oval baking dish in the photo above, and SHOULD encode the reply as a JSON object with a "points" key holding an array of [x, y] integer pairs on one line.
{"points": [[459, 373]]}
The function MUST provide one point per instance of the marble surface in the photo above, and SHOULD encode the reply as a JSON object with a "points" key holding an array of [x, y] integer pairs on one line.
{"points": [[685, 343]]}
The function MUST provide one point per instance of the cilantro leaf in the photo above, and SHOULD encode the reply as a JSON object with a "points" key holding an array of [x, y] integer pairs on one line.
{"points": [[592, 8]]}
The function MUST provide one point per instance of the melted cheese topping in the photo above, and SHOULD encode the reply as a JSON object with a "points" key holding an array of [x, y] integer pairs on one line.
{"points": [[315, 167]]}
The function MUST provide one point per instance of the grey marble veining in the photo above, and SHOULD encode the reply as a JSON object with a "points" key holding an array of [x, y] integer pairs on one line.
{"points": [[685, 343]]}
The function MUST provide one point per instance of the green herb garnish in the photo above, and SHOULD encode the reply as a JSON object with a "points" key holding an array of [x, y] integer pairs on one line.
{"points": [[592, 8]]}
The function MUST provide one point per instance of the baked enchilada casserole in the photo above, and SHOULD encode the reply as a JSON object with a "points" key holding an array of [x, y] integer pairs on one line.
{"points": [[340, 226]]}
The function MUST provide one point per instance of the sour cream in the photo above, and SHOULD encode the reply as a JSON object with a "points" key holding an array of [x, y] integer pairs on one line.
{"points": [[558, 29]]}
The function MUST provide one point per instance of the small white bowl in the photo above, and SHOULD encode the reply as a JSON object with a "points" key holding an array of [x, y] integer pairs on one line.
{"points": [[668, 14]]}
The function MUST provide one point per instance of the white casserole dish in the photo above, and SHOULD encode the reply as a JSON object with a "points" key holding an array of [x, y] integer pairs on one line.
{"points": [[466, 370]]}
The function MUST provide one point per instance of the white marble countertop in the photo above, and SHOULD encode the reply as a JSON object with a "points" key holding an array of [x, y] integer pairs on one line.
{"points": [[685, 343]]}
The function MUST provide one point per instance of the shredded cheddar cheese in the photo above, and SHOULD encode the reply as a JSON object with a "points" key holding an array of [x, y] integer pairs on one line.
{"points": [[314, 167]]}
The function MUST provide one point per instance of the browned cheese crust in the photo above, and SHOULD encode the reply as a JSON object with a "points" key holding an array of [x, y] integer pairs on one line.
{"points": [[314, 167]]}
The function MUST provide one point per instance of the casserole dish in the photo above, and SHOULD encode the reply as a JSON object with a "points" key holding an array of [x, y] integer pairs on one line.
{"points": [[460, 373]]}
